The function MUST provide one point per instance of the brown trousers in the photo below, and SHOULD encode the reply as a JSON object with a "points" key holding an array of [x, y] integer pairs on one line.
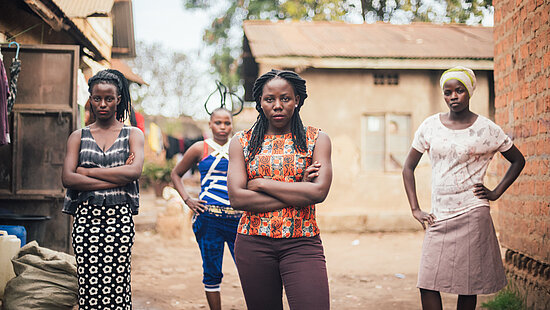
{"points": [[266, 264]]}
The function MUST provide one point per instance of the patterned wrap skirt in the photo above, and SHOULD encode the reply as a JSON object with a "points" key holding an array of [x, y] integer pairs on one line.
{"points": [[102, 240], [461, 255]]}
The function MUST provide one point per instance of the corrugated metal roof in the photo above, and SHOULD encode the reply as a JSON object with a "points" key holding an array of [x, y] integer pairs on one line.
{"points": [[123, 67], [379, 40], [85, 8]]}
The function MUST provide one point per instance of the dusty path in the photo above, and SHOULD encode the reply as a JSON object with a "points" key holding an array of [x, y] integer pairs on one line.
{"points": [[362, 271], [366, 271]]}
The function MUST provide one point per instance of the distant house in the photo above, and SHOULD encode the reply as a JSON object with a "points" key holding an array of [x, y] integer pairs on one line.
{"points": [[370, 86]]}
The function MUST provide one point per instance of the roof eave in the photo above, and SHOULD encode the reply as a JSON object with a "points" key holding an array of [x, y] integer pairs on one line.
{"points": [[46, 8], [432, 63]]}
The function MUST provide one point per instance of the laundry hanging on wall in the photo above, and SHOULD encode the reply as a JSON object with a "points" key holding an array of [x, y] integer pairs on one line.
{"points": [[4, 92], [15, 68]]}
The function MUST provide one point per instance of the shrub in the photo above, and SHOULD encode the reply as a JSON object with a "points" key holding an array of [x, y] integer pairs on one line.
{"points": [[154, 172], [504, 300]]}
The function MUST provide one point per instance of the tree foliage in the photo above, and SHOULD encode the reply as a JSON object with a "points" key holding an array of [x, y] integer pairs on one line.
{"points": [[171, 80], [227, 48], [441, 11]]}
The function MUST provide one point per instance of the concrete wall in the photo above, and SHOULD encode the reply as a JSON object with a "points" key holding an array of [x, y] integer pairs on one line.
{"points": [[522, 101], [360, 199]]}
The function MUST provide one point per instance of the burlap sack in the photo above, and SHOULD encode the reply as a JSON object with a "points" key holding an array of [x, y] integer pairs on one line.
{"points": [[45, 280]]}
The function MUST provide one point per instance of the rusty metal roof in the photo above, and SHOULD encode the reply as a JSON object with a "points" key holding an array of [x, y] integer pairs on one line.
{"points": [[379, 40], [123, 67], [85, 8]]}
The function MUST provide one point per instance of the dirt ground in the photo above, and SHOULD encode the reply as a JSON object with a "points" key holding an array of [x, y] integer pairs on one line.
{"points": [[366, 271]]}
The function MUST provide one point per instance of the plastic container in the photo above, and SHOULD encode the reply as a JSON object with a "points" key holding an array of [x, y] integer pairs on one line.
{"points": [[9, 246], [18, 231], [34, 224]]}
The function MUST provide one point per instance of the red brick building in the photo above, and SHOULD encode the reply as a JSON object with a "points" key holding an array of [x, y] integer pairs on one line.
{"points": [[522, 104]]}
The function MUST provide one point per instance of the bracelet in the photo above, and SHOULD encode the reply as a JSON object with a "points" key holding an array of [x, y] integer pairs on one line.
{"points": [[185, 200]]}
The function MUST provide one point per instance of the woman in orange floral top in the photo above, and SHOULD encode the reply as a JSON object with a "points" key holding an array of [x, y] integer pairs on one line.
{"points": [[278, 171]]}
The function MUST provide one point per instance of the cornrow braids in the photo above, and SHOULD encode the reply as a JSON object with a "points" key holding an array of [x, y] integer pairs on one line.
{"points": [[259, 128], [117, 79], [221, 109]]}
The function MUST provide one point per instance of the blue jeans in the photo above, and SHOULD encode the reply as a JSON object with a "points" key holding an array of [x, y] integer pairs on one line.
{"points": [[212, 232]]}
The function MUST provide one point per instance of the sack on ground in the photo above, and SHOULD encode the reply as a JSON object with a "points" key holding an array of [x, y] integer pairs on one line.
{"points": [[45, 280]]}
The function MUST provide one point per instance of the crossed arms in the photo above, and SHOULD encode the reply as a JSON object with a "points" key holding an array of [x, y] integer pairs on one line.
{"points": [[264, 195], [88, 179]]}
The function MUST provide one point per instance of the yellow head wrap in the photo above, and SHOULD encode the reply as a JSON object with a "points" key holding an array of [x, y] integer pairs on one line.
{"points": [[463, 75]]}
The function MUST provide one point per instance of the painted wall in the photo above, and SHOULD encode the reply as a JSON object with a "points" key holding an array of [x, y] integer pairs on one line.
{"points": [[360, 199]]}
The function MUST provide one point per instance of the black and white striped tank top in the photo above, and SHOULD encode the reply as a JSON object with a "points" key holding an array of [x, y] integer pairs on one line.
{"points": [[92, 156]]}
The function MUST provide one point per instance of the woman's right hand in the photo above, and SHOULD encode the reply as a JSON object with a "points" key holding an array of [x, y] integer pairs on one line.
{"points": [[311, 172], [422, 217], [195, 204]]}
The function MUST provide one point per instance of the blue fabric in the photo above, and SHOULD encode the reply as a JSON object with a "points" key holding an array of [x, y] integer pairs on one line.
{"points": [[216, 182], [212, 233]]}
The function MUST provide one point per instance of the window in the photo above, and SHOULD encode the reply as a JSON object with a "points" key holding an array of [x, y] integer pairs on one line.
{"points": [[378, 79], [386, 78], [386, 141], [392, 79]]}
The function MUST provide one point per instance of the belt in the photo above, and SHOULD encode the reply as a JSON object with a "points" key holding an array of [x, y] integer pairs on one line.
{"points": [[223, 211]]}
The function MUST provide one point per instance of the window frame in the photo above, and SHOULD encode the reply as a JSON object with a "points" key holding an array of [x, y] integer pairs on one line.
{"points": [[386, 139]]}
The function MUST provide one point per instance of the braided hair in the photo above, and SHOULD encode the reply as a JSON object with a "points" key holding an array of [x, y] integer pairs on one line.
{"points": [[260, 126], [221, 109], [116, 78]]}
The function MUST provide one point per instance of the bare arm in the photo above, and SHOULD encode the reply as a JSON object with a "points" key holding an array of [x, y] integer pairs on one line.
{"points": [[301, 194], [126, 173], [410, 188], [240, 196], [74, 180], [514, 156], [190, 158]]}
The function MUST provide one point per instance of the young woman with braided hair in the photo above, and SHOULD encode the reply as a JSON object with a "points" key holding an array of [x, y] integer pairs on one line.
{"points": [[460, 254], [102, 165], [215, 222], [278, 171]]}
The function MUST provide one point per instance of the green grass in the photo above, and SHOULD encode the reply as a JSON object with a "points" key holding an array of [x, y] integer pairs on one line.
{"points": [[504, 300]]}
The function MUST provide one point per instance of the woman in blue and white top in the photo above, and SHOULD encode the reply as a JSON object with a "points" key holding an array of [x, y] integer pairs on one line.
{"points": [[101, 168], [215, 222]]}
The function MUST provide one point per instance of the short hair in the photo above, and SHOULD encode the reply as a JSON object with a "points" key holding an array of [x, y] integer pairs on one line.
{"points": [[221, 109]]}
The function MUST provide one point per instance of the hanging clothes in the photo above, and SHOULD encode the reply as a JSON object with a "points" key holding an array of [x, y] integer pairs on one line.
{"points": [[82, 96], [15, 68], [137, 120], [140, 121], [4, 93], [173, 147], [155, 138]]}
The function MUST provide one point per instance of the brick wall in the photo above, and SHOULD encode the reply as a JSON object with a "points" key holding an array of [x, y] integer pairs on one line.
{"points": [[522, 109]]}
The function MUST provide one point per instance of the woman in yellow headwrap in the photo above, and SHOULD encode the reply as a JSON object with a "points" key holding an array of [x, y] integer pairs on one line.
{"points": [[460, 254]]}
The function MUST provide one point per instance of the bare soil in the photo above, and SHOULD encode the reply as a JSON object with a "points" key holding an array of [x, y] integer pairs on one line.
{"points": [[366, 271]]}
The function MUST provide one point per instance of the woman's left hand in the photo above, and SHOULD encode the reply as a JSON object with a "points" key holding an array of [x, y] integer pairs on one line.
{"points": [[482, 192], [311, 172], [130, 159]]}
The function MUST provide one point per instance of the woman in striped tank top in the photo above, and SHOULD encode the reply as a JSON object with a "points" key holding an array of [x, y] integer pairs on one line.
{"points": [[215, 222], [102, 165]]}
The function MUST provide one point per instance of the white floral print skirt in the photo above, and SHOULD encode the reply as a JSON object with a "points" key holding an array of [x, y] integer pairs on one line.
{"points": [[102, 240]]}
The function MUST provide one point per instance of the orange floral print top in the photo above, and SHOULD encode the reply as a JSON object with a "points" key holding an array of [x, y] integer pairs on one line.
{"points": [[281, 161]]}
